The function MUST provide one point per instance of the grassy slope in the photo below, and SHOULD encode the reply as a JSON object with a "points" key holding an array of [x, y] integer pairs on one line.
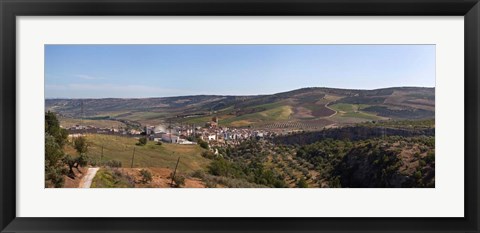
{"points": [[144, 116], [272, 112], [150, 155], [352, 113], [69, 122]]}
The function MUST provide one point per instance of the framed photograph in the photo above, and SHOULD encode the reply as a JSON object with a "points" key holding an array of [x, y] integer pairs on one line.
{"points": [[261, 116]]}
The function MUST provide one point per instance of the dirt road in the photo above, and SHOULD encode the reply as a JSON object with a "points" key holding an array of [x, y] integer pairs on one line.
{"points": [[88, 178], [326, 106]]}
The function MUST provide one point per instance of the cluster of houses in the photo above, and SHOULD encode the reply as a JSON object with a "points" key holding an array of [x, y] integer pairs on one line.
{"points": [[211, 133], [169, 134], [179, 134]]}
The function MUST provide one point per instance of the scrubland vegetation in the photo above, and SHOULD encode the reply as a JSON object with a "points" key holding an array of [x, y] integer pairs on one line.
{"points": [[392, 161]]}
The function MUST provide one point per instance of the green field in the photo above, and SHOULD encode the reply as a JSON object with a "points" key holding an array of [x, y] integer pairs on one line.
{"points": [[150, 155], [348, 107], [271, 113], [69, 122], [352, 113]]}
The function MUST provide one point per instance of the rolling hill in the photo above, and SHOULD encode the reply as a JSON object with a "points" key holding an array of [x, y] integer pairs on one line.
{"points": [[306, 108]]}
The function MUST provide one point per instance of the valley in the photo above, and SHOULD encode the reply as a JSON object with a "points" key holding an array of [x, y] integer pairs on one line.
{"points": [[310, 137]]}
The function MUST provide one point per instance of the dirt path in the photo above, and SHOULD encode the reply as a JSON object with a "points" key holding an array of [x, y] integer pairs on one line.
{"points": [[88, 178], [326, 105]]}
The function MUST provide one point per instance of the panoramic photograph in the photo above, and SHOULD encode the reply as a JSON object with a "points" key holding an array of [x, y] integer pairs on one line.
{"points": [[239, 116]]}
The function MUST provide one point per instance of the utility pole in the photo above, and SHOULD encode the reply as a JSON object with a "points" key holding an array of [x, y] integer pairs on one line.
{"points": [[170, 129], [82, 111], [83, 118], [194, 131], [175, 171], [133, 157]]}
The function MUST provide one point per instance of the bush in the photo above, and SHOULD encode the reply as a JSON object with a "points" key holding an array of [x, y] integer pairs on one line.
{"points": [[221, 167], [418, 175], [210, 184], [208, 154], [146, 176], [179, 181], [422, 163], [112, 163], [80, 144], [142, 141], [198, 174], [203, 144], [335, 183], [302, 183], [112, 178], [430, 158], [54, 176]]}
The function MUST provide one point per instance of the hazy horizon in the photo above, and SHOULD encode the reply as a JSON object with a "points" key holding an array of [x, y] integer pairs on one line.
{"points": [[157, 71]]}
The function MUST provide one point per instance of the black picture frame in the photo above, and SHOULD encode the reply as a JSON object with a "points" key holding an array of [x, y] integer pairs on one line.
{"points": [[10, 9]]}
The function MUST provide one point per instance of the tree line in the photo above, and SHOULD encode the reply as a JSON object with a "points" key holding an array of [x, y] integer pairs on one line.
{"points": [[57, 163]]}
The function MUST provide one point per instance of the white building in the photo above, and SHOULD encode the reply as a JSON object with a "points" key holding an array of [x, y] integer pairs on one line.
{"points": [[211, 137], [170, 138], [185, 142]]}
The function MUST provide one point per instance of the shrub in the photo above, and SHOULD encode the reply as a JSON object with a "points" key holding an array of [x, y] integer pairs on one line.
{"points": [[113, 163], [80, 145], [335, 183], [302, 183], [418, 175], [422, 163], [210, 184], [179, 181], [430, 158], [112, 178], [146, 176], [142, 141], [208, 154], [54, 176], [198, 174], [203, 144]]}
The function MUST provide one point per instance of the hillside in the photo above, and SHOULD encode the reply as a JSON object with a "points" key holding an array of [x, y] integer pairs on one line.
{"points": [[150, 155], [371, 154], [307, 108], [390, 161]]}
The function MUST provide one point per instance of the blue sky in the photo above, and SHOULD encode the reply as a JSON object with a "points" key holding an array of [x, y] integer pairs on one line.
{"points": [[135, 71]]}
